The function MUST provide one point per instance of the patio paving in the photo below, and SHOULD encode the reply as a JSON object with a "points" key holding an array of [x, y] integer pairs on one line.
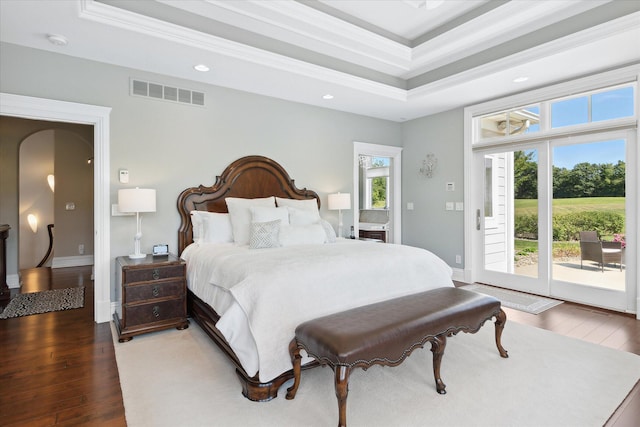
{"points": [[590, 274]]}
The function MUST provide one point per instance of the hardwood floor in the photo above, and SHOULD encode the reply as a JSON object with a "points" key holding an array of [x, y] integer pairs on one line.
{"points": [[60, 369]]}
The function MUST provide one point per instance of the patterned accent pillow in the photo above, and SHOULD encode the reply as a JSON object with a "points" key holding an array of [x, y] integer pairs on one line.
{"points": [[264, 235]]}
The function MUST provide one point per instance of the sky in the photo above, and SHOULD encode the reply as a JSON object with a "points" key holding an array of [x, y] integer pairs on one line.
{"points": [[607, 105]]}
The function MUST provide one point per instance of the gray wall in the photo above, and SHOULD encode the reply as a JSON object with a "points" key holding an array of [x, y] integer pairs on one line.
{"points": [[169, 146], [429, 225]]}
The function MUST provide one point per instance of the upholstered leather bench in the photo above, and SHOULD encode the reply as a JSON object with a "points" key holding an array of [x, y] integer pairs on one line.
{"points": [[386, 333]]}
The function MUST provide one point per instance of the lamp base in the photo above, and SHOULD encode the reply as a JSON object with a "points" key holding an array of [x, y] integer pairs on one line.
{"points": [[137, 256]]}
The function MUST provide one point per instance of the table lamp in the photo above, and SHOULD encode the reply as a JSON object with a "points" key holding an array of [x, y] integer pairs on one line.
{"points": [[137, 200], [339, 201]]}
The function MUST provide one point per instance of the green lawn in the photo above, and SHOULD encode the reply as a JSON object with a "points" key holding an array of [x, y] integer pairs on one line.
{"points": [[563, 206]]}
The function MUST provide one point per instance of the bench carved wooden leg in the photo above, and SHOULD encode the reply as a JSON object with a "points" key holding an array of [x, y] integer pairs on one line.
{"points": [[296, 360], [501, 319], [342, 389], [438, 343]]}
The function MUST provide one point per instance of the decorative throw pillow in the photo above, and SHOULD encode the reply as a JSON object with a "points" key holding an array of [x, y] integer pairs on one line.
{"points": [[240, 215], [264, 235]]}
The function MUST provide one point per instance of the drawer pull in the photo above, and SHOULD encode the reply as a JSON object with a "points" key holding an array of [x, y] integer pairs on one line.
{"points": [[156, 291], [156, 274], [156, 311]]}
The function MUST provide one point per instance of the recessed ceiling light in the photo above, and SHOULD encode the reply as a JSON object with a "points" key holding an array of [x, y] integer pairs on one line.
{"points": [[57, 39], [327, 96], [520, 79], [201, 67]]}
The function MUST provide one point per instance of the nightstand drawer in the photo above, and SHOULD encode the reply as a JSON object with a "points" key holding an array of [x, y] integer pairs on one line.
{"points": [[153, 273], [154, 312], [154, 290]]}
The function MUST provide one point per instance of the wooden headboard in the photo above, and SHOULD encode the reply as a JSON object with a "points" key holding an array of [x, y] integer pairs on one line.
{"points": [[248, 177]]}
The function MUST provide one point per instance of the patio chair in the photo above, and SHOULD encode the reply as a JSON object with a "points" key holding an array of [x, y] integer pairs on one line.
{"points": [[593, 249]]}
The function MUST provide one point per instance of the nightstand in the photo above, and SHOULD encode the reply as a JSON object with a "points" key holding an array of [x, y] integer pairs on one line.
{"points": [[374, 234], [151, 295]]}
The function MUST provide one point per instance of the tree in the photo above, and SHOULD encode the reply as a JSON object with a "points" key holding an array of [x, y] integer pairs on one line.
{"points": [[525, 179]]}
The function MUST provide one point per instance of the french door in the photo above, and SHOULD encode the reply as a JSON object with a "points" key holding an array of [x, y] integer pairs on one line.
{"points": [[532, 200]]}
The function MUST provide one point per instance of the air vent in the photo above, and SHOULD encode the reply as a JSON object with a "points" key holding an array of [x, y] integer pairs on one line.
{"points": [[166, 93]]}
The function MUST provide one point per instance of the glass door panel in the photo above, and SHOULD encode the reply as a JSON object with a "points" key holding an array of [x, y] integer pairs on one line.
{"points": [[511, 212], [588, 214]]}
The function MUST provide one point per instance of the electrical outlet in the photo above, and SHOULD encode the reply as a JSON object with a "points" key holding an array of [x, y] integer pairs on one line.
{"points": [[81, 249], [458, 259]]}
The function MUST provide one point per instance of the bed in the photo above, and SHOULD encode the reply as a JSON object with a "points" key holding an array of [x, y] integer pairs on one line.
{"points": [[249, 298]]}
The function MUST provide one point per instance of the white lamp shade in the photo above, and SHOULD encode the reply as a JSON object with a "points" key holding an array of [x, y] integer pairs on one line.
{"points": [[339, 201], [137, 200]]}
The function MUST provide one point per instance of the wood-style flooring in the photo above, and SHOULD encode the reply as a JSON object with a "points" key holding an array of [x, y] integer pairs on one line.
{"points": [[60, 369]]}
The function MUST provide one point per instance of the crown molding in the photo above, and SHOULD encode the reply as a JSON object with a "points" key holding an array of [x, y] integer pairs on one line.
{"points": [[108, 15], [602, 31]]}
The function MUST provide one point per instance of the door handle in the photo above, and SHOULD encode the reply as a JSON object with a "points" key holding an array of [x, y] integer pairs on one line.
{"points": [[478, 219]]}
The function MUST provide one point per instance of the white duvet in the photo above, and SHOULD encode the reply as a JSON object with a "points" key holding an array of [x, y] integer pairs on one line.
{"points": [[263, 294]]}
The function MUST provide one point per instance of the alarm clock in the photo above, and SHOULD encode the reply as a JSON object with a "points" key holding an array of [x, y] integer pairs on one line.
{"points": [[160, 250]]}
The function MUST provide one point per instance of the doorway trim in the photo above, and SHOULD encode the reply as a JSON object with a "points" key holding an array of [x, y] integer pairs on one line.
{"points": [[71, 112], [378, 150]]}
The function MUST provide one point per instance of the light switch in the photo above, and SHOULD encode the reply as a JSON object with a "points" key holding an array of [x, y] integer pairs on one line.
{"points": [[410, 206], [459, 206], [449, 206], [70, 206]]}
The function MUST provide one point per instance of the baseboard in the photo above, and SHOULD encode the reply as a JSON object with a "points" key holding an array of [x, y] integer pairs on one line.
{"points": [[458, 275], [13, 281], [72, 261]]}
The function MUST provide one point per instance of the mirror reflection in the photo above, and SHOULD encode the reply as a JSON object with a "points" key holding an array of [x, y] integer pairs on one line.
{"points": [[375, 195]]}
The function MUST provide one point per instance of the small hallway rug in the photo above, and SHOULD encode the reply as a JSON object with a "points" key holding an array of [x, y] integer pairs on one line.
{"points": [[528, 303], [44, 302], [181, 378]]}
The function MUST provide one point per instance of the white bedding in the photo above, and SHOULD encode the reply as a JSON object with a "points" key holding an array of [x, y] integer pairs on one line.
{"points": [[263, 294]]}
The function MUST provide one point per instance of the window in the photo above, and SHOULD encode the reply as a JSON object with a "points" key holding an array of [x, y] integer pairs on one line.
{"points": [[488, 187], [594, 107], [512, 122], [611, 103]]}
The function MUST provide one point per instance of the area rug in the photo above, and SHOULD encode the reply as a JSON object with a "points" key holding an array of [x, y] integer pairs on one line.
{"points": [[44, 302], [528, 303], [181, 378]]}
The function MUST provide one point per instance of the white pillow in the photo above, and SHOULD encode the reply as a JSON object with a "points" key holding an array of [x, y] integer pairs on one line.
{"points": [[240, 215], [211, 227], [312, 234], [264, 235], [330, 233], [217, 228], [306, 204], [197, 219], [303, 216], [265, 214]]}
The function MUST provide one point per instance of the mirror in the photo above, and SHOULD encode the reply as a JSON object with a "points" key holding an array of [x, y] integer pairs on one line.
{"points": [[377, 171]]}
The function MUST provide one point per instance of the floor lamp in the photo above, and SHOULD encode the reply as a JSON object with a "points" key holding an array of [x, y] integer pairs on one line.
{"points": [[339, 201], [137, 200]]}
